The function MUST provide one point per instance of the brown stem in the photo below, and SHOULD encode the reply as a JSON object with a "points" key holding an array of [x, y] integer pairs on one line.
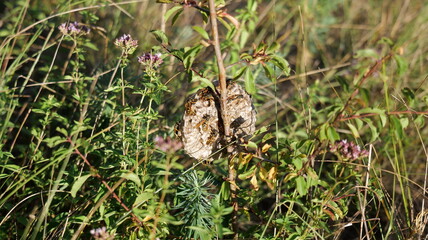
{"points": [[224, 116], [221, 69]]}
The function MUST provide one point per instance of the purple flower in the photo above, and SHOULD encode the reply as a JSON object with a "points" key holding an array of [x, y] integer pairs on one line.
{"points": [[127, 43], [74, 28], [101, 233], [348, 150], [150, 60], [167, 144]]}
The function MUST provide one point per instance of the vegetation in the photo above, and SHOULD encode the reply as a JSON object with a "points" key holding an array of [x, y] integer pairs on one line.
{"points": [[90, 92]]}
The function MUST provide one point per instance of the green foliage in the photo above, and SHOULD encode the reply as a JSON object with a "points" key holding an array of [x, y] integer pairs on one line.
{"points": [[193, 200], [87, 127]]}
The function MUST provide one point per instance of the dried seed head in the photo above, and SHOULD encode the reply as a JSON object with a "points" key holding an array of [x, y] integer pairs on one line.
{"points": [[201, 129]]}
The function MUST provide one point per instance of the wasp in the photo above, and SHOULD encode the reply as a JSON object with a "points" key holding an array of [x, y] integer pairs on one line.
{"points": [[206, 97], [212, 137], [234, 97], [204, 122], [189, 107], [177, 130]]}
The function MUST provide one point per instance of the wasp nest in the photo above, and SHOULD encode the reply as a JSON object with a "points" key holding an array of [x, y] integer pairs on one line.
{"points": [[201, 129]]}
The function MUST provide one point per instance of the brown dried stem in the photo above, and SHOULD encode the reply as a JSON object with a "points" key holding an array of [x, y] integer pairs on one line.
{"points": [[224, 116]]}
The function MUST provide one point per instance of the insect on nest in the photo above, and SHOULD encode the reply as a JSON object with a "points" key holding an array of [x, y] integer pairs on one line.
{"points": [[201, 129]]}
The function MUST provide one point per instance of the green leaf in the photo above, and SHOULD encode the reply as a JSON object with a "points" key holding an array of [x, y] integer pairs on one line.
{"points": [[228, 26], [78, 184], [323, 132], [250, 84], [179, 53], [301, 186], [420, 121], [402, 65], [269, 72], [225, 190], [260, 131], [62, 131], [11, 167], [332, 135], [386, 40], [174, 19], [365, 95], [131, 177], [408, 93], [373, 129], [298, 162], [40, 111], [54, 141], [4, 175], [366, 53], [190, 55], [205, 81], [249, 173], [171, 11], [343, 82], [6, 154], [354, 130], [143, 197], [160, 36], [239, 73], [404, 122], [201, 31], [91, 46], [397, 126], [281, 63], [273, 48], [251, 145], [378, 111], [246, 57]]}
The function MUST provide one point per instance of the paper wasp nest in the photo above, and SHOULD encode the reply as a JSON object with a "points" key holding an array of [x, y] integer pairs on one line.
{"points": [[201, 129]]}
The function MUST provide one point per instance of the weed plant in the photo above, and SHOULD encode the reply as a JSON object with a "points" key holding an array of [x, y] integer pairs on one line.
{"points": [[90, 92]]}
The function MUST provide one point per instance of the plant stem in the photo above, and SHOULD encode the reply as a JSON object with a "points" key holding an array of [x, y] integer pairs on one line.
{"points": [[224, 116], [221, 69]]}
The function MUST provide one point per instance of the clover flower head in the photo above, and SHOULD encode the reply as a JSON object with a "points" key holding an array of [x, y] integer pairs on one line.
{"points": [[150, 60], [74, 28], [127, 43], [167, 144], [348, 150]]}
